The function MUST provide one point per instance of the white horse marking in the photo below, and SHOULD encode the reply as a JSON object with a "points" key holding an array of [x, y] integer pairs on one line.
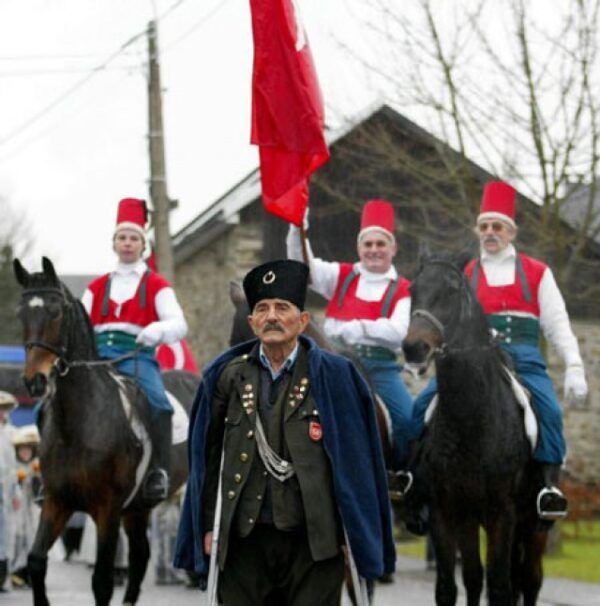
{"points": [[36, 302]]}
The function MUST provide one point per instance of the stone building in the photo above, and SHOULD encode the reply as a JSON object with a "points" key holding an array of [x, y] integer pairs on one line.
{"points": [[381, 155]]}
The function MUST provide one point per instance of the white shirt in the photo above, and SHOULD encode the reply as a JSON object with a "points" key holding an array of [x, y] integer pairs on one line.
{"points": [[124, 283], [324, 275], [500, 270]]}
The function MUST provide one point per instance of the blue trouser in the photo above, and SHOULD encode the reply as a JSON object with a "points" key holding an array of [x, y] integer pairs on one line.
{"points": [[388, 384], [144, 368], [531, 370]]}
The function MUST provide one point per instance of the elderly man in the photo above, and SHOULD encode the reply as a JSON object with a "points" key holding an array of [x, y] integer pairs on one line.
{"points": [[520, 297], [295, 429], [368, 311], [135, 309]]}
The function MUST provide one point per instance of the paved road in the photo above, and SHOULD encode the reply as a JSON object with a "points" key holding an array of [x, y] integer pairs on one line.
{"points": [[69, 585]]}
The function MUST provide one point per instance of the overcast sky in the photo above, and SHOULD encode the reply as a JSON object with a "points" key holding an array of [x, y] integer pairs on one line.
{"points": [[73, 141]]}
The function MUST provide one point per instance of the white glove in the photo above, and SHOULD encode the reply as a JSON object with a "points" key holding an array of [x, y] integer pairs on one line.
{"points": [[304, 222], [151, 335], [576, 388]]}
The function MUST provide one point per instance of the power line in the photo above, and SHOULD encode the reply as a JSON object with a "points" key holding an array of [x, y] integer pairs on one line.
{"points": [[51, 72], [58, 100], [101, 67], [196, 25]]}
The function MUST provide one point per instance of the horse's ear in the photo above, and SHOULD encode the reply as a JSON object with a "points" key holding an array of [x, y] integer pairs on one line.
{"points": [[236, 294], [49, 269], [461, 258], [21, 274], [424, 253]]}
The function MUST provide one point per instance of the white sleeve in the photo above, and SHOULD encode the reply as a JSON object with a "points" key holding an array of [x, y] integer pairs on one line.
{"points": [[385, 332], [170, 315], [554, 321], [323, 274], [87, 300]]}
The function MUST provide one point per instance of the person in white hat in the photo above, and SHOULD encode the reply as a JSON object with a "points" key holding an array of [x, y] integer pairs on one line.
{"points": [[25, 440], [369, 310], [133, 308], [521, 300], [9, 502]]}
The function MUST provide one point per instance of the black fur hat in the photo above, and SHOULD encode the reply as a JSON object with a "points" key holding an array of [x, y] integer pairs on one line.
{"points": [[277, 280]]}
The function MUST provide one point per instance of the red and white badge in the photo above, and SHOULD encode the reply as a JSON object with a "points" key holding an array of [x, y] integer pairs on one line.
{"points": [[315, 431]]}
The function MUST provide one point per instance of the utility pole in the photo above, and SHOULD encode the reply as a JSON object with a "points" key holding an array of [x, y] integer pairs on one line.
{"points": [[161, 204]]}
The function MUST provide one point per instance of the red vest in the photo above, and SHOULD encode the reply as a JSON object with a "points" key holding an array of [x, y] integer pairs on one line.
{"points": [[510, 297], [347, 306], [132, 311]]}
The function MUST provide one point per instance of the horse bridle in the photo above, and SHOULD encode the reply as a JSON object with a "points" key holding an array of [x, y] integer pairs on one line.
{"points": [[444, 349], [62, 365]]}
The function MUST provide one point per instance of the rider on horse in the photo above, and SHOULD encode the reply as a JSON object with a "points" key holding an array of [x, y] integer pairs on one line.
{"points": [[368, 311], [135, 309], [520, 296]]}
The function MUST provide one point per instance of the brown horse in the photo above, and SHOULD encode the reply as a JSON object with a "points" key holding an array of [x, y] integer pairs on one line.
{"points": [[89, 451]]}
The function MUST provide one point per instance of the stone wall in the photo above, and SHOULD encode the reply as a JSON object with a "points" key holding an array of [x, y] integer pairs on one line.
{"points": [[202, 283], [582, 424]]}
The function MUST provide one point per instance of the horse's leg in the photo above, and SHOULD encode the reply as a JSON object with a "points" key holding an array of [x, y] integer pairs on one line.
{"points": [[136, 524], [52, 520], [107, 520], [444, 543], [500, 534], [472, 570], [532, 573]]}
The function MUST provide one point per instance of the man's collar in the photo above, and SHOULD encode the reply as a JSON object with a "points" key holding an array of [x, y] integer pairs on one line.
{"points": [[390, 274], [139, 268], [505, 253], [289, 362]]}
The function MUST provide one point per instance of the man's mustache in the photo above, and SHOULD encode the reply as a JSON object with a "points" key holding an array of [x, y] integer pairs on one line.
{"points": [[272, 326], [491, 239]]}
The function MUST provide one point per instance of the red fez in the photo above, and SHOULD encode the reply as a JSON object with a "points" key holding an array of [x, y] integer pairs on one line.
{"points": [[377, 215], [498, 202], [132, 214]]}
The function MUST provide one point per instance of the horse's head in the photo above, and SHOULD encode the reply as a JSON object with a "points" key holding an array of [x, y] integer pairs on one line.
{"points": [[441, 302], [42, 310]]}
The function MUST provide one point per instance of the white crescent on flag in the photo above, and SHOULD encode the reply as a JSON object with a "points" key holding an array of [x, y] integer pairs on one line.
{"points": [[300, 33]]}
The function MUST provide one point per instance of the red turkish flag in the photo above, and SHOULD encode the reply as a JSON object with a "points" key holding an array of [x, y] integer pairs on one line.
{"points": [[287, 108]]}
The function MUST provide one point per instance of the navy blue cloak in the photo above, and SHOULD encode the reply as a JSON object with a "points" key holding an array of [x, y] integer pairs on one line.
{"points": [[351, 441]]}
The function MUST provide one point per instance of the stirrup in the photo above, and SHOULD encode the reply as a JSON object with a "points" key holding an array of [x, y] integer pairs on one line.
{"points": [[39, 496], [407, 481], [551, 515]]}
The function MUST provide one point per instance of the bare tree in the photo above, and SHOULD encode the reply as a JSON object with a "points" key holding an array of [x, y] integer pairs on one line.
{"points": [[512, 86], [15, 241]]}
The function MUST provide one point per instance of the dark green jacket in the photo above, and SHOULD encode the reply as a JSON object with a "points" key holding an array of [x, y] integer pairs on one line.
{"points": [[306, 499]]}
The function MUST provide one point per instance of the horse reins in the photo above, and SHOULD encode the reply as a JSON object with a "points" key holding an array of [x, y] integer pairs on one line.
{"points": [[62, 365], [444, 348]]}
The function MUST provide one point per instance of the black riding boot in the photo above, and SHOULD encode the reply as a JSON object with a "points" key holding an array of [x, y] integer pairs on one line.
{"points": [[156, 484], [3, 573], [551, 502]]}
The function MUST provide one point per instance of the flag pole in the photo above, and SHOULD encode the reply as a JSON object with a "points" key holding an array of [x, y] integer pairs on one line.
{"points": [[304, 245]]}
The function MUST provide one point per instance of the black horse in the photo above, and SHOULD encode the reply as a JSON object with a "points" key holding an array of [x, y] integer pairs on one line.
{"points": [[89, 453], [475, 457]]}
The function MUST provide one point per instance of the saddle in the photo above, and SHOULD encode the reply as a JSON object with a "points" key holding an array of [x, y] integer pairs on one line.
{"points": [[522, 396]]}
